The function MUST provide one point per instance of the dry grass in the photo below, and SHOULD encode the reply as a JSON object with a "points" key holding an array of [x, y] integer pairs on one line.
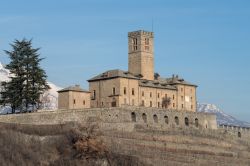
{"points": [[68, 144]]}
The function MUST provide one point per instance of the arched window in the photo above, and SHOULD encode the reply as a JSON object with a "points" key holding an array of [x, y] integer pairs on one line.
{"points": [[239, 134], [166, 119], [144, 118], [133, 117], [155, 118], [196, 122], [186, 121], [176, 119]]}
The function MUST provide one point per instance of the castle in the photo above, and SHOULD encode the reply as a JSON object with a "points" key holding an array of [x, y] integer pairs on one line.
{"points": [[139, 86], [138, 113]]}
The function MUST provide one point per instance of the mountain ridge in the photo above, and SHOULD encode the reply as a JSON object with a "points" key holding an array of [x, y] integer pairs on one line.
{"points": [[222, 117]]}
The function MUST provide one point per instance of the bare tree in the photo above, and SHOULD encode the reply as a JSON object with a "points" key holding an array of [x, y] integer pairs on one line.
{"points": [[166, 101]]}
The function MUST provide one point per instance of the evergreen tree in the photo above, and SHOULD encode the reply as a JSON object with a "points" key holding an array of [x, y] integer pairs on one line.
{"points": [[28, 80]]}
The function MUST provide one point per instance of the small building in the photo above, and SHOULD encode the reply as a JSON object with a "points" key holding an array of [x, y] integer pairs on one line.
{"points": [[73, 97]]}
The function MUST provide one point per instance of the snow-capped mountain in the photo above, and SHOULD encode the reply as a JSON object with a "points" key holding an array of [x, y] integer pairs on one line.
{"points": [[49, 98], [222, 117], [4, 73]]}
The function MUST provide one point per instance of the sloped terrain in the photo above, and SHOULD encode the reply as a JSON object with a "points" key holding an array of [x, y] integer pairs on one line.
{"points": [[178, 147], [69, 145], [74, 144]]}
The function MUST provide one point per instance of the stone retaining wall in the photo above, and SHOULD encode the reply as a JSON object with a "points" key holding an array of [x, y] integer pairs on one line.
{"points": [[135, 115]]}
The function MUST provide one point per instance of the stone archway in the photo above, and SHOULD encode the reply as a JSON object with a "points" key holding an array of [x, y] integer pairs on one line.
{"points": [[155, 118], [133, 117], [144, 118], [186, 121], [166, 119], [176, 119]]}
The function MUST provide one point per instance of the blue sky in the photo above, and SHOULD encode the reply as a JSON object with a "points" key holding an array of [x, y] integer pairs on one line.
{"points": [[205, 41]]}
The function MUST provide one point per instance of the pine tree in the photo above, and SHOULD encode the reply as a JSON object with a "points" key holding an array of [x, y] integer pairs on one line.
{"points": [[28, 79]]}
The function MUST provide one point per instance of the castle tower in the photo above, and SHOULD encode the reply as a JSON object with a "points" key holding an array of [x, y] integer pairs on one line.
{"points": [[141, 54]]}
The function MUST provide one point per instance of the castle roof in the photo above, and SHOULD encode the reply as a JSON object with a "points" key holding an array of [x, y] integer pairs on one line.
{"points": [[110, 74], [75, 88], [175, 80], [162, 83], [156, 84]]}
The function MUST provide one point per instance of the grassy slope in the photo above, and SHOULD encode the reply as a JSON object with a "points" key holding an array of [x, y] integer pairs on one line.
{"points": [[73, 144]]}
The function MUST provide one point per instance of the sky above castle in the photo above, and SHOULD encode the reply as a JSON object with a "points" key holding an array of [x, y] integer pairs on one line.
{"points": [[205, 42]]}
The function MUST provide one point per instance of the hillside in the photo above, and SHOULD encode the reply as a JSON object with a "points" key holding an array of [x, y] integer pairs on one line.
{"points": [[74, 144]]}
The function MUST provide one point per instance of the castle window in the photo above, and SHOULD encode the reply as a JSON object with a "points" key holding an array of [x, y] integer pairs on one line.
{"points": [[83, 102], [102, 103], [150, 94], [147, 44], [239, 134], [173, 105], [113, 91], [176, 119], [74, 101], [135, 44], [181, 89], [142, 93], [133, 91], [166, 119], [113, 103], [125, 91], [182, 98], [158, 95], [146, 41], [173, 97], [182, 106], [186, 121], [133, 117], [191, 98], [94, 95], [151, 104], [142, 103], [155, 118], [158, 104], [144, 118], [196, 122]]}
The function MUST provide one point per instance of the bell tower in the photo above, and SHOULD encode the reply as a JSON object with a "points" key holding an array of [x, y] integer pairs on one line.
{"points": [[141, 54]]}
